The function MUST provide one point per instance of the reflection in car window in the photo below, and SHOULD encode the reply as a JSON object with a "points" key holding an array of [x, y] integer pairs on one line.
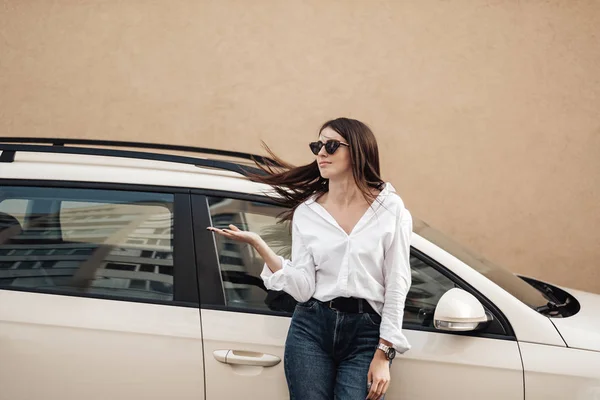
{"points": [[240, 264], [428, 285], [96, 242]]}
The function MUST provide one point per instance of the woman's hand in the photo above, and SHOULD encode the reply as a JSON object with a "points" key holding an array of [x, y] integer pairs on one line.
{"points": [[379, 376], [236, 234], [272, 260]]}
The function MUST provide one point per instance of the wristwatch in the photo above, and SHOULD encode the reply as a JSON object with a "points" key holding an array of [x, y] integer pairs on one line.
{"points": [[389, 352]]}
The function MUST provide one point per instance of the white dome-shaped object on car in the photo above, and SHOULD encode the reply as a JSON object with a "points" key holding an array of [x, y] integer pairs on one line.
{"points": [[458, 311]]}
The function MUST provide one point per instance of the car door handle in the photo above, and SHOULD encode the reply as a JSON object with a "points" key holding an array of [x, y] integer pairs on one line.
{"points": [[239, 357]]}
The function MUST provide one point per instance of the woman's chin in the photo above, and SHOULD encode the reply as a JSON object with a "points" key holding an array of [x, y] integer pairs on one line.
{"points": [[334, 174]]}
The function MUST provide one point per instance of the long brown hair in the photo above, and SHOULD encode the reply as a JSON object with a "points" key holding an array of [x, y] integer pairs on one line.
{"points": [[294, 185]]}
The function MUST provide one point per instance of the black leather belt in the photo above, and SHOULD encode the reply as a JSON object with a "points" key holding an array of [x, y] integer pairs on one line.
{"points": [[350, 305]]}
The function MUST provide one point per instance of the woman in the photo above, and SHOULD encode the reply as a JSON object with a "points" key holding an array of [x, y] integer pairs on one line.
{"points": [[349, 271]]}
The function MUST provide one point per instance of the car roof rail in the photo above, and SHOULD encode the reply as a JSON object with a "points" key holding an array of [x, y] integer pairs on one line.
{"points": [[10, 145]]}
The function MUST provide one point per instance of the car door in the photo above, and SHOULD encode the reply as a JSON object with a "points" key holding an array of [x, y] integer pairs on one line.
{"points": [[98, 294], [472, 365], [245, 326], [243, 337]]}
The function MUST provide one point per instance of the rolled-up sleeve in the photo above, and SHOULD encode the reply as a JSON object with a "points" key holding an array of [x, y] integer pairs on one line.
{"points": [[297, 276], [397, 281]]}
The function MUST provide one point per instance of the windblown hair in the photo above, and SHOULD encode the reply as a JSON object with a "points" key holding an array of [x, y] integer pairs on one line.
{"points": [[293, 185]]}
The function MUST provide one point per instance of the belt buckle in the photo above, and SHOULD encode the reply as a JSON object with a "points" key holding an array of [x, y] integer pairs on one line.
{"points": [[331, 305]]}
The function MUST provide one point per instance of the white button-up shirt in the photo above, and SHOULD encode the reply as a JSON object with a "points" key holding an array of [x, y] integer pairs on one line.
{"points": [[372, 262]]}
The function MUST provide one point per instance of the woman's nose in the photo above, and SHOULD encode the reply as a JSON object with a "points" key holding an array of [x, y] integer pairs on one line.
{"points": [[323, 152]]}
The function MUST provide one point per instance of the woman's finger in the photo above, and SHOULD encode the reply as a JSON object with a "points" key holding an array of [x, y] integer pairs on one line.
{"points": [[376, 389], [229, 233], [220, 231], [372, 391], [385, 388], [234, 228]]}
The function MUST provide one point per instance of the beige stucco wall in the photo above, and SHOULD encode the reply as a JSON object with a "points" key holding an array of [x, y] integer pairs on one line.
{"points": [[487, 112]]}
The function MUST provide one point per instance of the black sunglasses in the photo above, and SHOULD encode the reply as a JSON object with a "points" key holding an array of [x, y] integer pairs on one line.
{"points": [[331, 146]]}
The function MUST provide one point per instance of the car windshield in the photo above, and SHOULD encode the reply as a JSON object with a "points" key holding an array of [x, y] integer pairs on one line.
{"points": [[499, 275]]}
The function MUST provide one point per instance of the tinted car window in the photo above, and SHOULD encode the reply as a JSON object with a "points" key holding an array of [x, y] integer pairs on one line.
{"points": [[239, 263], [428, 285], [97, 242]]}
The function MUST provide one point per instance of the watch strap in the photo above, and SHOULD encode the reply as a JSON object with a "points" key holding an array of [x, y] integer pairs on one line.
{"points": [[384, 348]]}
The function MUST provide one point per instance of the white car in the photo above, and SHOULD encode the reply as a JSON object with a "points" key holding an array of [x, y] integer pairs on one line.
{"points": [[112, 288]]}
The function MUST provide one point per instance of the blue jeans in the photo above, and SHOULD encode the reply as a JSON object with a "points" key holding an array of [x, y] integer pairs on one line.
{"points": [[328, 353]]}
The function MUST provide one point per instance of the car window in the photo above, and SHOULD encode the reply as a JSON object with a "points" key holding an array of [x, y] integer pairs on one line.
{"points": [[239, 263], [16, 208], [428, 285], [96, 242]]}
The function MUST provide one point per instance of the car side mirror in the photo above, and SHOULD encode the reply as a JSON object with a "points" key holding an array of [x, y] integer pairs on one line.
{"points": [[459, 311]]}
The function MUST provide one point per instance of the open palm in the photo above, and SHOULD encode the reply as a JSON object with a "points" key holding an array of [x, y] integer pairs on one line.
{"points": [[236, 234]]}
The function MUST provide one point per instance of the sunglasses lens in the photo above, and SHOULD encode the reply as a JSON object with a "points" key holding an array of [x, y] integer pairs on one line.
{"points": [[331, 146], [315, 147]]}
